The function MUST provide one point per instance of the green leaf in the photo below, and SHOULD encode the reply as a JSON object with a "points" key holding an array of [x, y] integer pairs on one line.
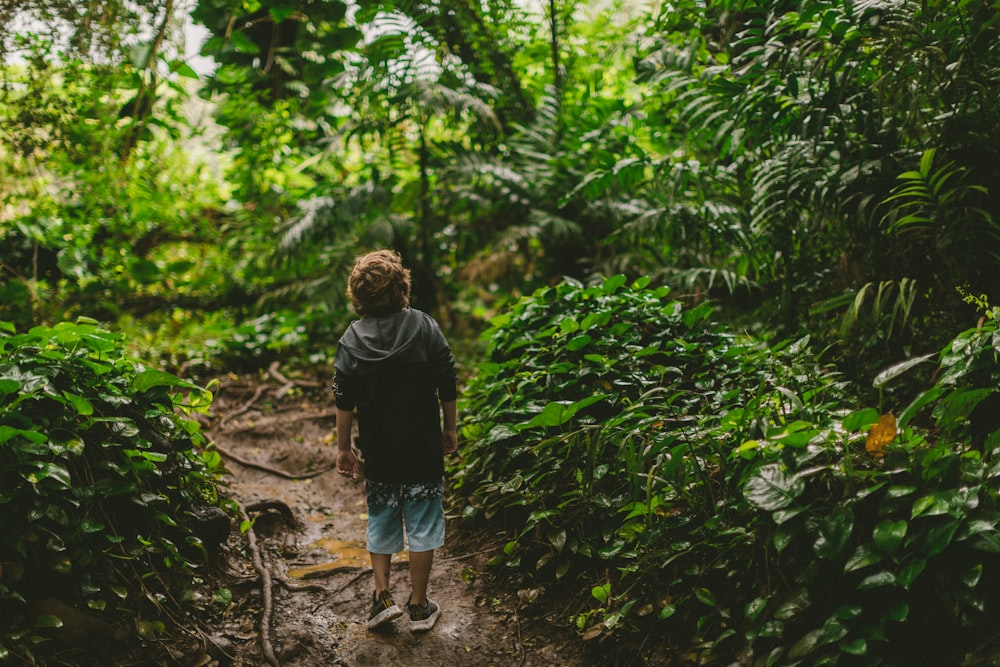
{"points": [[557, 413], [81, 404], [898, 369], [937, 538], [612, 284], [279, 14], [856, 647], [770, 488], [48, 621], [705, 596], [243, 44], [877, 580], [834, 531], [146, 380], [601, 593], [888, 535], [909, 572], [898, 612], [863, 556], [8, 432], [858, 421]]}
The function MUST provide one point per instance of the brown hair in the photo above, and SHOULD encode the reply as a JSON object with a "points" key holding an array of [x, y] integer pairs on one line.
{"points": [[379, 283]]}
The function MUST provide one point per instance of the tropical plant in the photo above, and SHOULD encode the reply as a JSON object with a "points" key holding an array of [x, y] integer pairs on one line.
{"points": [[109, 497], [699, 487]]}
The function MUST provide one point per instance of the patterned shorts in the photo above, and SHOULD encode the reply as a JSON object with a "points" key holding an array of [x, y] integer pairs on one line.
{"points": [[416, 507]]}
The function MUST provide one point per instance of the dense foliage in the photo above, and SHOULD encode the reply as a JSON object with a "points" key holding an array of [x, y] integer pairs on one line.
{"points": [[818, 166], [818, 174], [107, 488], [695, 485]]}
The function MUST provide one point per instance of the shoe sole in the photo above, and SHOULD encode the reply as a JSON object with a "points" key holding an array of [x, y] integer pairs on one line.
{"points": [[383, 617], [425, 624]]}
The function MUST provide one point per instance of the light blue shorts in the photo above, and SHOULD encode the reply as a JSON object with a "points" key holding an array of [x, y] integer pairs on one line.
{"points": [[420, 514]]}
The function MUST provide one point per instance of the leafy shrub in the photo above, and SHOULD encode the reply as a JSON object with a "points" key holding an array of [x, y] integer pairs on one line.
{"points": [[695, 483], [102, 475]]}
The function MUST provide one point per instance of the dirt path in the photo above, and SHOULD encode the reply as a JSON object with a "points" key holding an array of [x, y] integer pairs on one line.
{"points": [[316, 557]]}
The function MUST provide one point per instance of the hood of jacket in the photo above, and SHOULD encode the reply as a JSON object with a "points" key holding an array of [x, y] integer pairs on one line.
{"points": [[384, 338]]}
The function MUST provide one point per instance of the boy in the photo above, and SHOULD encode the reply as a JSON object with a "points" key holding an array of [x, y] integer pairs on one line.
{"points": [[395, 366]]}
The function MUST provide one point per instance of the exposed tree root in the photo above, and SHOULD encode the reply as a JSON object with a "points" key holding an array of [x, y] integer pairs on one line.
{"points": [[246, 406], [268, 469], [267, 650]]}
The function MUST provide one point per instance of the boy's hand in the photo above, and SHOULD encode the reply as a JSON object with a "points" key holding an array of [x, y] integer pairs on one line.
{"points": [[347, 463], [449, 441]]}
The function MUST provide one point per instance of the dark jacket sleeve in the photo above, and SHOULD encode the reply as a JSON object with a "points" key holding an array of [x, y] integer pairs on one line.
{"points": [[443, 365], [345, 389]]}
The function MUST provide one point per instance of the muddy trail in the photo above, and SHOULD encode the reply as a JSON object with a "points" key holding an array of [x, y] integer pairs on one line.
{"points": [[300, 581]]}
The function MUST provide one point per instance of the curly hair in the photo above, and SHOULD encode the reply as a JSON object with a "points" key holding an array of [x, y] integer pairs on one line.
{"points": [[379, 284]]}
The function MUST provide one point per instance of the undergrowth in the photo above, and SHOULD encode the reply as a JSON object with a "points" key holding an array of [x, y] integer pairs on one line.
{"points": [[105, 483], [729, 498]]}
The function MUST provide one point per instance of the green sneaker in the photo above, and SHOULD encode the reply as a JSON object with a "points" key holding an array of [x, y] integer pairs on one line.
{"points": [[383, 610], [423, 617]]}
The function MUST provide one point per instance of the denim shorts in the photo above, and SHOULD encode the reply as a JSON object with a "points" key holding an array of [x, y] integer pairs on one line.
{"points": [[391, 507]]}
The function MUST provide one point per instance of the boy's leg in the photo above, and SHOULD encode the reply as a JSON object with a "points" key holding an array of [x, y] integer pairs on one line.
{"points": [[420, 575], [381, 565], [385, 537], [425, 526]]}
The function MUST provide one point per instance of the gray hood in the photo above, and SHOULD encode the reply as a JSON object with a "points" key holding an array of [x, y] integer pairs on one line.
{"points": [[384, 338]]}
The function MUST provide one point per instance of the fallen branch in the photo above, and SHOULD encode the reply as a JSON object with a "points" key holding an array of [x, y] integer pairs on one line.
{"points": [[273, 371], [268, 469], [246, 406], [266, 589]]}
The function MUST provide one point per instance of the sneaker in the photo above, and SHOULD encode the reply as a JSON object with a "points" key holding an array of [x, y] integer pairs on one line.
{"points": [[383, 610], [423, 617]]}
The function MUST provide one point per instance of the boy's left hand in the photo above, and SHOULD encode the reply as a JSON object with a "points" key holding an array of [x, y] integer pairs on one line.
{"points": [[347, 464], [449, 441]]}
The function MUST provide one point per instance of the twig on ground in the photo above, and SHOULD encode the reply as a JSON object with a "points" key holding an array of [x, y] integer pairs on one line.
{"points": [[268, 469], [266, 589], [246, 406], [520, 641], [273, 371], [469, 555]]}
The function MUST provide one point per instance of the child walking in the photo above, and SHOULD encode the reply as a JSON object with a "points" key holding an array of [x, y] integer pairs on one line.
{"points": [[396, 368]]}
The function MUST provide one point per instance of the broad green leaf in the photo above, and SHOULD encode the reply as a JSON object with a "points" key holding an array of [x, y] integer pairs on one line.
{"points": [[888, 535], [705, 596], [877, 580], [834, 531], [771, 488], [858, 421], [81, 404], [753, 609], [601, 593], [48, 621], [898, 369], [856, 647], [863, 556], [8, 432], [148, 379], [613, 283], [242, 43], [937, 538], [898, 612]]}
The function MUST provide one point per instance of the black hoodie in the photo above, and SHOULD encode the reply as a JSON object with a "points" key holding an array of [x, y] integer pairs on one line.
{"points": [[394, 369]]}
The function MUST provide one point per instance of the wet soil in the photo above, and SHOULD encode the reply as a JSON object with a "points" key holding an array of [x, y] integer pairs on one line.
{"points": [[276, 437]]}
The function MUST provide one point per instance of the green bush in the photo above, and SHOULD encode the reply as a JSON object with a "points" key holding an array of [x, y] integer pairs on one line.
{"points": [[697, 485], [103, 475]]}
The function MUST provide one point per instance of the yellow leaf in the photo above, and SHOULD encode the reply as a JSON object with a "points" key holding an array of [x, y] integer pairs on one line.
{"points": [[881, 434]]}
